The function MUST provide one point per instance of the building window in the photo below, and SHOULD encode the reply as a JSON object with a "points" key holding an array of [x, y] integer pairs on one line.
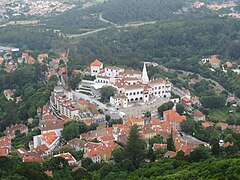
{"points": [[134, 93]]}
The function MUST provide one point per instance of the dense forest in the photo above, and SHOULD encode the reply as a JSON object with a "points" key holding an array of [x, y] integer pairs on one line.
{"points": [[167, 42], [74, 21], [120, 11], [28, 83], [28, 37], [13, 168]]}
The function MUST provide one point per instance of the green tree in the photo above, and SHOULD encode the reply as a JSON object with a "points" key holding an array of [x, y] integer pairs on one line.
{"points": [[200, 153], [213, 101], [73, 129], [170, 143], [135, 147], [107, 92], [164, 107], [86, 162], [156, 139], [180, 108], [119, 155]]}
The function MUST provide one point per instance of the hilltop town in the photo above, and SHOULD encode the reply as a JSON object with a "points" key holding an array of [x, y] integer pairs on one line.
{"points": [[119, 89], [157, 107]]}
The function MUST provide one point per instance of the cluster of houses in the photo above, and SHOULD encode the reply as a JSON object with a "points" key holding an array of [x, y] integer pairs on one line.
{"points": [[214, 5], [216, 63], [131, 85], [10, 133], [12, 58], [9, 63], [13, 8], [64, 106]]}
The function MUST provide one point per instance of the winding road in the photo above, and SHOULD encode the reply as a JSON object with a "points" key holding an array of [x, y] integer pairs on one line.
{"points": [[112, 25]]}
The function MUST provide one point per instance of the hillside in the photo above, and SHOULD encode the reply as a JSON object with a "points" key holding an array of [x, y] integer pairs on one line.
{"points": [[119, 11]]}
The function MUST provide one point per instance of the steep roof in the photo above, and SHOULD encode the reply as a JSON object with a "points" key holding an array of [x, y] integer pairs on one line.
{"points": [[96, 63]]}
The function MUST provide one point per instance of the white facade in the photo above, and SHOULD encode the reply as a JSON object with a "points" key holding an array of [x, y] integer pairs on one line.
{"points": [[119, 100], [96, 67], [103, 79], [95, 70], [38, 140], [111, 71], [133, 85]]}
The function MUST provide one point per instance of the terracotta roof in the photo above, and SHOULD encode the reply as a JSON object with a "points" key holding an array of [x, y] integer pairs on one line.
{"points": [[222, 124], [172, 116], [96, 63], [154, 121], [229, 64], [108, 138], [5, 141], [41, 149], [130, 72], [198, 114], [76, 142], [49, 137], [157, 81], [214, 60], [66, 156], [227, 144], [135, 86], [170, 154], [54, 124], [49, 173], [159, 146], [4, 151], [62, 70], [135, 120], [186, 99], [207, 124], [32, 159]]}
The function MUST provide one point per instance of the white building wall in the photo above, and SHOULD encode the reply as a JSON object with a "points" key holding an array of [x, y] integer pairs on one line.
{"points": [[102, 80], [135, 94], [95, 70]]}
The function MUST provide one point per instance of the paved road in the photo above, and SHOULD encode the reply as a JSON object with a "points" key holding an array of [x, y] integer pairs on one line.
{"points": [[218, 86], [78, 95], [137, 109], [113, 25], [192, 139]]}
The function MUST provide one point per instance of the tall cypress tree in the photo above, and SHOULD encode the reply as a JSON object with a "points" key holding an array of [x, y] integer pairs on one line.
{"points": [[135, 147], [170, 143]]}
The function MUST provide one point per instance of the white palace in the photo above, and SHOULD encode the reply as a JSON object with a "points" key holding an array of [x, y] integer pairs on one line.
{"points": [[131, 85]]}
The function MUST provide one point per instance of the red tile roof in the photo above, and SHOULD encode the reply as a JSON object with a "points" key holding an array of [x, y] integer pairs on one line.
{"points": [[159, 146], [96, 63], [4, 151], [170, 154], [214, 60], [207, 124], [49, 137], [172, 116], [222, 124]]}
